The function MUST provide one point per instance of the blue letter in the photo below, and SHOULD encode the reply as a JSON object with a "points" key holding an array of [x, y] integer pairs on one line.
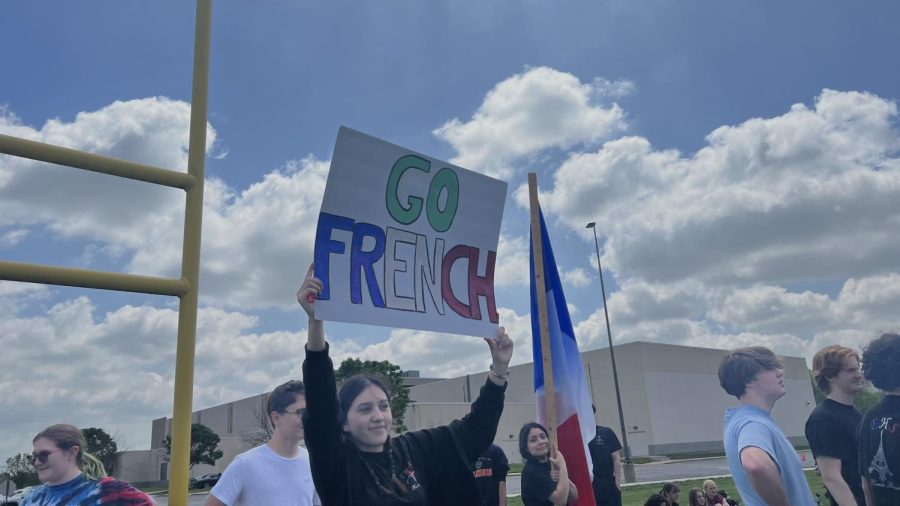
{"points": [[325, 246], [365, 260]]}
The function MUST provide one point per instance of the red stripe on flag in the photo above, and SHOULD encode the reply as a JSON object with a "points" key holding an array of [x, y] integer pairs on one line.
{"points": [[572, 447]]}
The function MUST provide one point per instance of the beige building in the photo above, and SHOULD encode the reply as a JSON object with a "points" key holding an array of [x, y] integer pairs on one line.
{"points": [[671, 398]]}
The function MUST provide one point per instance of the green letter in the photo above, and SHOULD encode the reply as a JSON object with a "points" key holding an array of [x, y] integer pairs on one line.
{"points": [[409, 214], [441, 220]]}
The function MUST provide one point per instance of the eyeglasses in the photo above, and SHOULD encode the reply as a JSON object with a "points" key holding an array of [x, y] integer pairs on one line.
{"points": [[298, 412], [41, 456]]}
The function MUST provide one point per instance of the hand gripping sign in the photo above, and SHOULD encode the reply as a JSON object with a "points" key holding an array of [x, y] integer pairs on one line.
{"points": [[405, 240]]}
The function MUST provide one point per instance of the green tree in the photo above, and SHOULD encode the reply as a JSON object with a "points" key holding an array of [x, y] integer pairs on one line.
{"points": [[20, 470], [103, 446], [204, 445], [399, 392]]}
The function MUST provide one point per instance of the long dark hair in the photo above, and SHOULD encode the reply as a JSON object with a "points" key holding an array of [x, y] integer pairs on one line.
{"points": [[353, 386], [523, 438], [350, 390]]}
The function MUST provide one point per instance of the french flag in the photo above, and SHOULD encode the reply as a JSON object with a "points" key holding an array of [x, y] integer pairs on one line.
{"points": [[574, 416]]}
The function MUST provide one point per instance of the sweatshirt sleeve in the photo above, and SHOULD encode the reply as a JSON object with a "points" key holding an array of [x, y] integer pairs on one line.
{"points": [[476, 430], [322, 430], [469, 436]]}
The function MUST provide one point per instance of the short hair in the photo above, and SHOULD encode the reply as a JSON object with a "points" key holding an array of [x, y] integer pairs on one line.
{"points": [[707, 483], [739, 367], [523, 438], [655, 500], [353, 386], [283, 396], [880, 362], [828, 363]]}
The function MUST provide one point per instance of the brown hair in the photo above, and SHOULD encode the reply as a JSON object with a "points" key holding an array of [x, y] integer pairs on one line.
{"points": [[739, 367], [66, 436], [828, 362]]}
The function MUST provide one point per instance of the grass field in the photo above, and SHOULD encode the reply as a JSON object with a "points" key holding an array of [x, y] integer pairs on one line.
{"points": [[636, 495]]}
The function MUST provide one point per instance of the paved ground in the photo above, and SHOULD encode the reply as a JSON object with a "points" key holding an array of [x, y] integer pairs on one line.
{"points": [[653, 472]]}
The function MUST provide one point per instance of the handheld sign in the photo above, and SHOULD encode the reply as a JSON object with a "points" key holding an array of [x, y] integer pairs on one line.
{"points": [[405, 240]]}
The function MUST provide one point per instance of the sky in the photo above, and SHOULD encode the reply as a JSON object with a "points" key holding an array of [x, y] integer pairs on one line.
{"points": [[741, 161]]}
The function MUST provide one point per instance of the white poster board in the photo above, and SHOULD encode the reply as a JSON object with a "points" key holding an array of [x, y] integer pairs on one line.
{"points": [[408, 241]]}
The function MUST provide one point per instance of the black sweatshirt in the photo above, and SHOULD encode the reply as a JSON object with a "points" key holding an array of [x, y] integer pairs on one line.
{"points": [[441, 457]]}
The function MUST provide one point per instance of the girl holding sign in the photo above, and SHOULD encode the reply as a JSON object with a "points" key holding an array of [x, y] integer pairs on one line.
{"points": [[354, 459]]}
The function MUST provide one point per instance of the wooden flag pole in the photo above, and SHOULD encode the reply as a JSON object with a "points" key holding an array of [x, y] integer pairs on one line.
{"points": [[547, 357]]}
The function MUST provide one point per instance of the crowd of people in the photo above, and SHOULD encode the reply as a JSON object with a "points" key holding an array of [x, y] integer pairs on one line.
{"points": [[857, 454], [353, 459]]}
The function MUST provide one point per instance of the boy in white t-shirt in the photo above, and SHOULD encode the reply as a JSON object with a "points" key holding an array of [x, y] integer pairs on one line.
{"points": [[277, 472]]}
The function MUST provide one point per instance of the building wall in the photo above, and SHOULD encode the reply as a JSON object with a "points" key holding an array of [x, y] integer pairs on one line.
{"points": [[671, 398]]}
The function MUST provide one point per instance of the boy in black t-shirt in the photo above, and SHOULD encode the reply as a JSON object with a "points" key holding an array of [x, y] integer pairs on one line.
{"points": [[607, 470], [490, 476], [879, 433], [832, 427]]}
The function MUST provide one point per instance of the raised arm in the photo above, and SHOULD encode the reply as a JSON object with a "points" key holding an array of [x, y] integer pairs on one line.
{"points": [[478, 428], [306, 296], [320, 422]]}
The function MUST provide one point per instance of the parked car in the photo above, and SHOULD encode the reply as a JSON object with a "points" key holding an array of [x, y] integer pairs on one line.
{"points": [[205, 480], [16, 497]]}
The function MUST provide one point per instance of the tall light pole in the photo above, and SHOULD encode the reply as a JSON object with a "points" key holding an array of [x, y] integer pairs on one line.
{"points": [[629, 467]]}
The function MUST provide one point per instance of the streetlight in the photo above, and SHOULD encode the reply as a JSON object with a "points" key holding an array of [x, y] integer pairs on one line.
{"points": [[629, 467]]}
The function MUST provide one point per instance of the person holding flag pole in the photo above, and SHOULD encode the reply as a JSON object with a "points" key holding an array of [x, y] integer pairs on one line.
{"points": [[563, 398]]}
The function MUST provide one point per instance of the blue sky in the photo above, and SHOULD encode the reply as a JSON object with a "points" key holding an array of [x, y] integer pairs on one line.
{"points": [[729, 214]]}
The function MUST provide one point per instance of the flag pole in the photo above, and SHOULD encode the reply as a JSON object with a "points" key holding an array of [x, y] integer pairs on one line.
{"points": [[540, 291]]}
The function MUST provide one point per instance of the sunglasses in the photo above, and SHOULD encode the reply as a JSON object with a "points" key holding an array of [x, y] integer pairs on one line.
{"points": [[41, 456]]}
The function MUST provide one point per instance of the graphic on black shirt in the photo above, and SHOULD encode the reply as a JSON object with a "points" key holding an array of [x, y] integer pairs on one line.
{"points": [[879, 451], [880, 474]]}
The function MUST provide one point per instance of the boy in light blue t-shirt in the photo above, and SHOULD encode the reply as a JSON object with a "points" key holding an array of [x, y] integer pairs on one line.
{"points": [[763, 463]]}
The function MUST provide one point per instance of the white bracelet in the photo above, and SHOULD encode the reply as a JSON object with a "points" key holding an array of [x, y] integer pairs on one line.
{"points": [[502, 377]]}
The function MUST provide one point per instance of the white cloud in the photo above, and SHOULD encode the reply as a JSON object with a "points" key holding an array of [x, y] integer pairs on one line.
{"points": [[414, 349], [538, 109], [576, 277], [12, 237], [56, 365], [512, 265], [799, 196], [271, 223]]}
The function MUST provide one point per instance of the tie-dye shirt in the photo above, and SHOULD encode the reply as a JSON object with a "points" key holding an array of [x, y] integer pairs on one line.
{"points": [[84, 492]]}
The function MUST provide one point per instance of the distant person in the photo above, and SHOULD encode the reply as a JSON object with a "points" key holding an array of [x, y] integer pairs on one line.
{"points": [[696, 497], [277, 472], [764, 465], [607, 466], [669, 493], [879, 433], [490, 476], [713, 497], [655, 500], [545, 479], [71, 476], [833, 425]]}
